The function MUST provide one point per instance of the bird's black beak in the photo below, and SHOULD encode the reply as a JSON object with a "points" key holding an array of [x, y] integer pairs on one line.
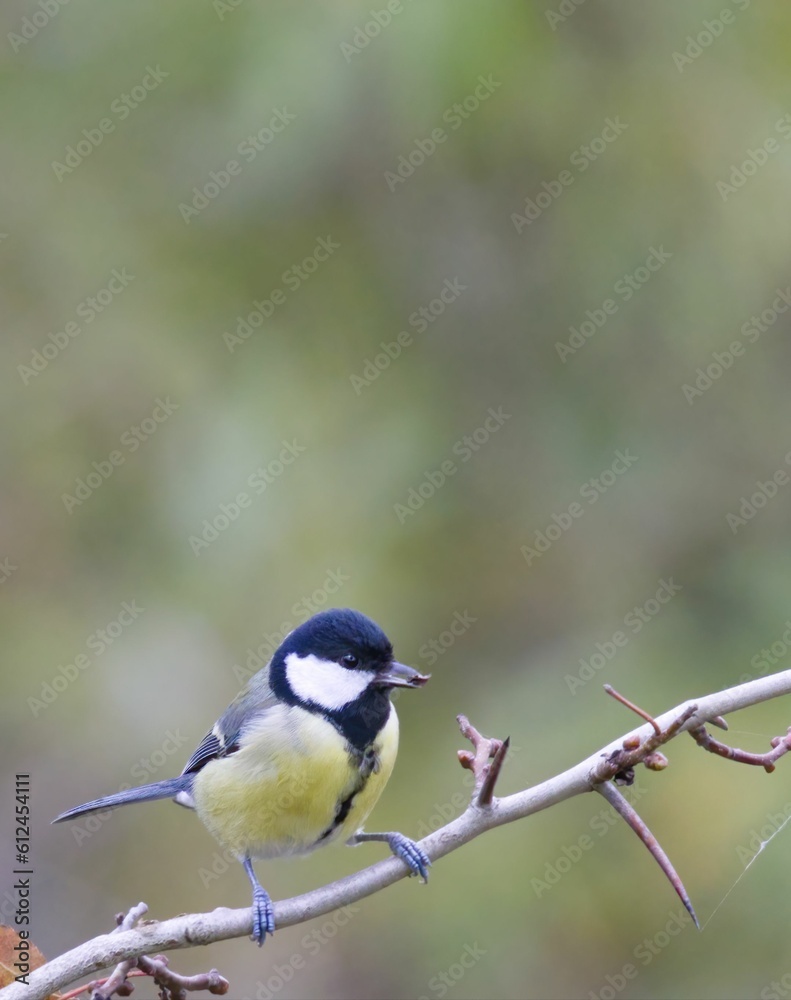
{"points": [[399, 675]]}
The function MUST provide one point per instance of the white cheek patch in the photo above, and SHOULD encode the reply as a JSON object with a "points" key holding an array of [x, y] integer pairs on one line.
{"points": [[323, 682]]}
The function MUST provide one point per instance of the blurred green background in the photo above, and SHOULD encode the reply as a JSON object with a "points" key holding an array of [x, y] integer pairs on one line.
{"points": [[546, 153]]}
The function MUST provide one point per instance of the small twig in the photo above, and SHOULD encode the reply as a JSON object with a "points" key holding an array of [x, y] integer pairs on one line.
{"points": [[620, 763], [103, 989], [116, 983], [177, 986], [625, 809], [172, 985], [630, 704], [126, 923], [486, 774], [781, 745]]}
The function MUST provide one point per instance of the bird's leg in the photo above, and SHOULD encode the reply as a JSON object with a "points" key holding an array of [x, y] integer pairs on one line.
{"points": [[409, 852], [263, 910]]}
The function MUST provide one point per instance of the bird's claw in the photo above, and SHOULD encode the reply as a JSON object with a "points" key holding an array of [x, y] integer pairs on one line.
{"points": [[263, 915], [411, 854]]}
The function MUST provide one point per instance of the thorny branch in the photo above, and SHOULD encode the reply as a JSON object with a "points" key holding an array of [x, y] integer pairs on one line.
{"points": [[613, 762]]}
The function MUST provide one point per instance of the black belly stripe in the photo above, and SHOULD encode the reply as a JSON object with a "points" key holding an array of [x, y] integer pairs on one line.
{"points": [[343, 812], [368, 763]]}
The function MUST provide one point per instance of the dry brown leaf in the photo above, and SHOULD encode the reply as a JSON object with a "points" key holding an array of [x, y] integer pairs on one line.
{"points": [[9, 955]]}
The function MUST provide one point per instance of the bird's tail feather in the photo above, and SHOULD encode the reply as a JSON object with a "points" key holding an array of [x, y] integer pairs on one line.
{"points": [[158, 790]]}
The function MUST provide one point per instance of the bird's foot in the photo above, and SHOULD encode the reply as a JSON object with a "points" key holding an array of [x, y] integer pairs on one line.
{"points": [[263, 915], [411, 853]]}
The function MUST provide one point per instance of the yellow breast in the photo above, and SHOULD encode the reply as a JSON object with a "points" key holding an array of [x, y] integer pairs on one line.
{"points": [[293, 787]]}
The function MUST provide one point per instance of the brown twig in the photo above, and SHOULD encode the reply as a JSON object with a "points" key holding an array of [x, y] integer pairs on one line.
{"points": [[630, 704], [115, 983], [486, 774], [781, 745], [175, 986]]}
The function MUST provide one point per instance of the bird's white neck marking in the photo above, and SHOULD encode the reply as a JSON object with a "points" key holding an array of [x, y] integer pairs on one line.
{"points": [[324, 682]]}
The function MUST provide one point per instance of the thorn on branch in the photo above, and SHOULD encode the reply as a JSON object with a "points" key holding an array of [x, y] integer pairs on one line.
{"points": [[780, 746], [486, 774], [625, 809]]}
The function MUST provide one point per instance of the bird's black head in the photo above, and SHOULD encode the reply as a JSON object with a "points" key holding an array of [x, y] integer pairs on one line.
{"points": [[340, 664]]}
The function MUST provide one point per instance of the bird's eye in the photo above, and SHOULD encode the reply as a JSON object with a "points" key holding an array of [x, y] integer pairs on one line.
{"points": [[349, 660]]}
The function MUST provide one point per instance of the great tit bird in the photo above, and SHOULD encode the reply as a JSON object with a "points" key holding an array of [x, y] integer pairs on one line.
{"points": [[302, 755]]}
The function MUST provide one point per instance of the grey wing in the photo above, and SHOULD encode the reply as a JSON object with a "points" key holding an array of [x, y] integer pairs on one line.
{"points": [[210, 747], [223, 739]]}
